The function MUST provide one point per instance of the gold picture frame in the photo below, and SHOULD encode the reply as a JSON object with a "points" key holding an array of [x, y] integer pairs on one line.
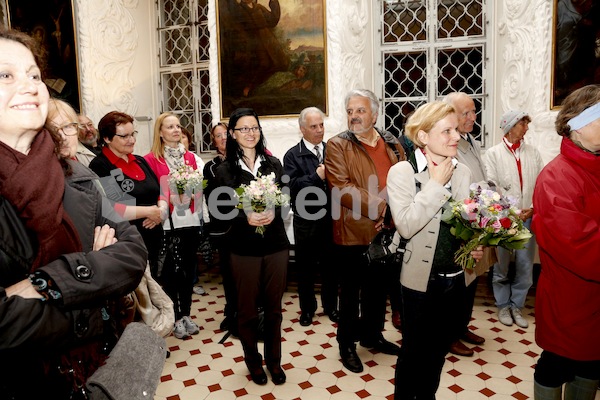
{"points": [[575, 47], [52, 24], [272, 56]]}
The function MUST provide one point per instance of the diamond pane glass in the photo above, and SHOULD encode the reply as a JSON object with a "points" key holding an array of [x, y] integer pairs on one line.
{"points": [[174, 12], [203, 43], [396, 114], [177, 88], [404, 21], [460, 70], [202, 10], [175, 47], [460, 18], [405, 74]]}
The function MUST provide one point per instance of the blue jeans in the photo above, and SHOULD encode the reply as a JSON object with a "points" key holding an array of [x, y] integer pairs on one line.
{"points": [[514, 293]]}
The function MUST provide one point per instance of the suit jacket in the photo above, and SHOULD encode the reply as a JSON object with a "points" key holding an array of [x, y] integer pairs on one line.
{"points": [[300, 164], [471, 157]]}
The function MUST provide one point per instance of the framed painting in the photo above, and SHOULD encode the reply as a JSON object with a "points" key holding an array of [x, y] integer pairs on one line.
{"points": [[575, 47], [52, 24], [272, 56]]}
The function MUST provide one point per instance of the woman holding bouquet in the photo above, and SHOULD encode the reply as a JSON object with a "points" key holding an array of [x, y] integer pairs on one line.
{"points": [[432, 283], [182, 216], [514, 166], [566, 223], [258, 261]]}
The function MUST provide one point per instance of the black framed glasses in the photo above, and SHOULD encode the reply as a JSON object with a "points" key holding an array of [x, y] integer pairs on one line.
{"points": [[69, 129], [245, 129], [128, 136]]}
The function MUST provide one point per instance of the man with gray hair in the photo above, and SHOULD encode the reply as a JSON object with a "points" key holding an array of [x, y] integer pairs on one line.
{"points": [[303, 163], [356, 167]]}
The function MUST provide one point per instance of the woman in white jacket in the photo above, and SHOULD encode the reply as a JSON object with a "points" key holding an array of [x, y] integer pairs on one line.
{"points": [[514, 166], [432, 284]]}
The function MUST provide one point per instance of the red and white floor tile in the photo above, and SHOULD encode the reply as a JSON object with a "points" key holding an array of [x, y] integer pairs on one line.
{"points": [[201, 368]]}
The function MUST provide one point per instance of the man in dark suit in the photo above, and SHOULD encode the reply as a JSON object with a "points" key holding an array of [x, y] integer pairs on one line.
{"points": [[303, 163]]}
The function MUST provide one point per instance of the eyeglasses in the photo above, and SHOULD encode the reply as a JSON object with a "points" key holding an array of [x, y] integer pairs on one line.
{"points": [[245, 129], [69, 129], [128, 136], [88, 126]]}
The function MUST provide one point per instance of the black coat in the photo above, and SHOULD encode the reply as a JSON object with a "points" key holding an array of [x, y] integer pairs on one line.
{"points": [[34, 330], [241, 236]]}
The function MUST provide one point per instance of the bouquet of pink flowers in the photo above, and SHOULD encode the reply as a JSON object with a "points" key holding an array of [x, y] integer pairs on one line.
{"points": [[485, 218], [186, 179], [261, 194]]}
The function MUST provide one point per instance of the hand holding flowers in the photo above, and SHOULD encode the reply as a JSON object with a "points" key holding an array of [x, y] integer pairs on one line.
{"points": [[259, 199], [187, 183], [485, 218]]}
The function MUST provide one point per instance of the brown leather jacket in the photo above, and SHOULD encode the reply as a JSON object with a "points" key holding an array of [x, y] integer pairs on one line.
{"points": [[348, 168]]}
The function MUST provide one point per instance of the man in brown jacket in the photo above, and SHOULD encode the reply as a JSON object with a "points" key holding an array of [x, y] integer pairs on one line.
{"points": [[356, 166]]}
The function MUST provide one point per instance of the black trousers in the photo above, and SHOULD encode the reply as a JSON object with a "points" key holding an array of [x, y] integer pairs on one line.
{"points": [[466, 308], [314, 255], [178, 283], [260, 281], [362, 297], [429, 326], [553, 370]]}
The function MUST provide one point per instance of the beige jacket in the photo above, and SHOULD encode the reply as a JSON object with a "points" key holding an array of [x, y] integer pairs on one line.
{"points": [[84, 155], [471, 157], [417, 216]]}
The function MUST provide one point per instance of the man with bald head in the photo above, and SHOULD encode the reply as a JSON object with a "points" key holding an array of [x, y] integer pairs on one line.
{"points": [[469, 153], [87, 147]]}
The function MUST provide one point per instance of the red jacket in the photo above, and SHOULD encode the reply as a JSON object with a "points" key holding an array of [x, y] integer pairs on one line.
{"points": [[566, 223]]}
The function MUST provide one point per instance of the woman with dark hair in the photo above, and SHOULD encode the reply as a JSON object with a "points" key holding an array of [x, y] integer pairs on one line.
{"points": [[131, 183], [63, 261], [566, 224], [258, 263]]}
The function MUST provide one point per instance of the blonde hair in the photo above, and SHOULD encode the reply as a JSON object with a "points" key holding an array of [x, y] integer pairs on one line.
{"points": [[58, 107], [424, 118], [158, 145]]}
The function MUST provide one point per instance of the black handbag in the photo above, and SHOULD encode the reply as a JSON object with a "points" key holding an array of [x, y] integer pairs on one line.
{"points": [[379, 251], [169, 248]]}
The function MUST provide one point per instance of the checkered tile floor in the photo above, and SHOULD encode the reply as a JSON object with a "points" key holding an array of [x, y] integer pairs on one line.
{"points": [[201, 368]]}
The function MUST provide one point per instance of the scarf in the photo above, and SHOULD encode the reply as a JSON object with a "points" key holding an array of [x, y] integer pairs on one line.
{"points": [[174, 156], [513, 147], [34, 184]]}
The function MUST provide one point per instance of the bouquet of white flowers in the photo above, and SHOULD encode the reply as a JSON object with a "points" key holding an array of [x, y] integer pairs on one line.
{"points": [[261, 194], [186, 180]]}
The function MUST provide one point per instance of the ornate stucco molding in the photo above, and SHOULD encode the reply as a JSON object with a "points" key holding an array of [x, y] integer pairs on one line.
{"points": [[108, 38]]}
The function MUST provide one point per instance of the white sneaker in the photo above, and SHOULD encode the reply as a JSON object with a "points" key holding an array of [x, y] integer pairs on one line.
{"points": [[179, 331], [199, 290], [518, 317], [190, 326], [504, 316]]}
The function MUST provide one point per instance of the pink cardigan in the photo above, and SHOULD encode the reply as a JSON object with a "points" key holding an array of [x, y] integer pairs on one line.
{"points": [[161, 170]]}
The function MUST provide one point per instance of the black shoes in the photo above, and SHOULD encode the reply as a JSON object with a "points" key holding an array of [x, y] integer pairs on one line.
{"points": [[277, 375], [333, 315], [258, 376], [305, 319], [225, 324], [350, 359], [382, 346]]}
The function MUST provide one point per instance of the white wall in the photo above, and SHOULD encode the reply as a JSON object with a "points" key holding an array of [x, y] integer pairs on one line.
{"points": [[523, 70], [118, 61]]}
